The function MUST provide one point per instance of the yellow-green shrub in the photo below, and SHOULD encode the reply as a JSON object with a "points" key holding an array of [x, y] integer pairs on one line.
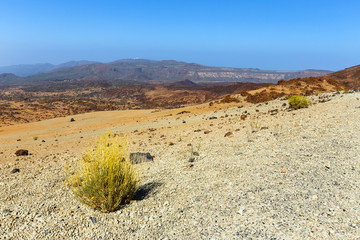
{"points": [[104, 177], [298, 101]]}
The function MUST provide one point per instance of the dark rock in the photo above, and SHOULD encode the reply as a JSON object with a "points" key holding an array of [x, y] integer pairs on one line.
{"points": [[207, 132], [15, 170], [7, 211], [243, 117], [47, 232], [22, 152], [198, 130], [336, 183], [139, 157], [72, 120], [273, 112], [195, 153], [93, 219], [18, 140], [228, 134], [284, 104], [191, 160], [43, 141], [183, 112], [211, 118], [264, 128]]}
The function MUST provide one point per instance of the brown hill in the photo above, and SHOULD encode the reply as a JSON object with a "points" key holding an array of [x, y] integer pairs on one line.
{"points": [[349, 77], [302, 86]]}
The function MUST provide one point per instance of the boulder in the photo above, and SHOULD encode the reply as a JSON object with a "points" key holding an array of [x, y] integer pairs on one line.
{"points": [[22, 152], [140, 157]]}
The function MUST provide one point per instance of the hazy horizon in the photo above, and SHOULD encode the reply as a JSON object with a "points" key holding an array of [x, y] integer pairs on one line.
{"points": [[269, 35], [55, 64]]}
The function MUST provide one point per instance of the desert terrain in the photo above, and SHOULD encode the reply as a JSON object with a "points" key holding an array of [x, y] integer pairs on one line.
{"points": [[260, 171]]}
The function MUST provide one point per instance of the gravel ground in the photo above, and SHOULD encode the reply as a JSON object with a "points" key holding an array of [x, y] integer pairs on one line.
{"points": [[290, 175]]}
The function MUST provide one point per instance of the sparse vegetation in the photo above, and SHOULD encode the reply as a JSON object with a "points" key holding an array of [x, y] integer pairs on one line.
{"points": [[298, 101], [35, 138], [104, 177]]}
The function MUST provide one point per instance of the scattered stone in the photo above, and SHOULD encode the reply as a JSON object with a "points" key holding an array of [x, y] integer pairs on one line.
{"points": [[198, 130], [273, 112], [47, 232], [191, 160], [336, 183], [243, 117], [241, 210], [228, 134], [15, 170], [314, 229], [171, 143], [195, 153], [264, 128], [7, 211], [283, 171], [18, 140], [93, 219], [140, 157], [72, 120], [183, 112], [211, 118], [43, 141], [207, 131], [190, 165], [22, 152]]}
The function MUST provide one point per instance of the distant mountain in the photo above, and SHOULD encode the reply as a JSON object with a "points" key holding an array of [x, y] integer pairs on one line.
{"points": [[24, 70], [8, 77], [349, 77], [167, 71], [151, 71]]}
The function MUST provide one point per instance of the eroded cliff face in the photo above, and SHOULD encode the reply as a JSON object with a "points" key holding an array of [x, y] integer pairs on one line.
{"points": [[258, 76]]}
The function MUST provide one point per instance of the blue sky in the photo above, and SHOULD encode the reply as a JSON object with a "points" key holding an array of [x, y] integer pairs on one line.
{"points": [[267, 34]]}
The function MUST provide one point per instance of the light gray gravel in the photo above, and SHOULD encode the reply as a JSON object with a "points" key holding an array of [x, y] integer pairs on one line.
{"points": [[294, 175]]}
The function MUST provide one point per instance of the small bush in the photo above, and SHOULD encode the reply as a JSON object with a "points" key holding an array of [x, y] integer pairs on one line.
{"points": [[298, 101], [35, 138], [104, 177]]}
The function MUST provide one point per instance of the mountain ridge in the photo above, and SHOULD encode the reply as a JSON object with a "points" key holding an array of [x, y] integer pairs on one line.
{"points": [[165, 71]]}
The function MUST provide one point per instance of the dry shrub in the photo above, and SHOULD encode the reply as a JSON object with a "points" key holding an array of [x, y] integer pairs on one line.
{"points": [[229, 99], [298, 101], [104, 177]]}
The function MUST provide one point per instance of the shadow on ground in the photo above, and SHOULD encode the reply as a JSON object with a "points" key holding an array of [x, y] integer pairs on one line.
{"points": [[145, 190]]}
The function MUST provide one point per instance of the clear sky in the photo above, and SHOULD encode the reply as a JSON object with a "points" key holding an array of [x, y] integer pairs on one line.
{"points": [[266, 34]]}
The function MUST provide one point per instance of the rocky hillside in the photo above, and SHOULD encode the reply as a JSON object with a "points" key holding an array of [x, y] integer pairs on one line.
{"points": [[349, 77]]}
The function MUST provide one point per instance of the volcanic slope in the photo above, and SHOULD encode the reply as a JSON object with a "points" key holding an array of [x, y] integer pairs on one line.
{"points": [[260, 171]]}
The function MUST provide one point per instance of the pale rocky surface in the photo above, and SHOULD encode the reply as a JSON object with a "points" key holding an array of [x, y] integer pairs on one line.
{"points": [[292, 175]]}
